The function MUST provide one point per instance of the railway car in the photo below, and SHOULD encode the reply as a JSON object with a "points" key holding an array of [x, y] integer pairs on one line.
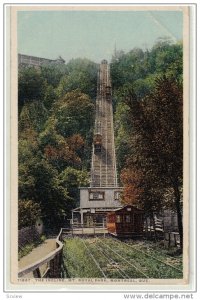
{"points": [[126, 222], [97, 142], [108, 92]]}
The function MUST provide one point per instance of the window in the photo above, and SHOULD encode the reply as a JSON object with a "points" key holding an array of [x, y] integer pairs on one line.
{"points": [[117, 195], [96, 196], [127, 218], [118, 219], [100, 196]]}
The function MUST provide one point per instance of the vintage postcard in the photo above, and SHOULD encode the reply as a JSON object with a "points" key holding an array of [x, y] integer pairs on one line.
{"points": [[98, 100]]}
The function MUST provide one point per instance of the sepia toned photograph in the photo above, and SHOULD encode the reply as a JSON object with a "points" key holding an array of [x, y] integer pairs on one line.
{"points": [[99, 145]]}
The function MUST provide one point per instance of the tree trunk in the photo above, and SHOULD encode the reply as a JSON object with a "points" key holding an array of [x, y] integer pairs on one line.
{"points": [[154, 227], [178, 211]]}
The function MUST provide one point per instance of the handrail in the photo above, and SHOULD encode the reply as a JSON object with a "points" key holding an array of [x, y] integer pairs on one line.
{"points": [[82, 225], [44, 260]]}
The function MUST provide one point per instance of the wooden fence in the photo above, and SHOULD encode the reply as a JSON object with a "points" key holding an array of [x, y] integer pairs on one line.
{"points": [[172, 239], [155, 229], [93, 229], [49, 266]]}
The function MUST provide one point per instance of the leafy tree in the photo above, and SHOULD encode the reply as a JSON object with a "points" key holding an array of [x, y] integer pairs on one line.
{"points": [[31, 85], [157, 144], [64, 152], [122, 143], [33, 115], [135, 67], [131, 180], [55, 134], [82, 75], [72, 179], [50, 97], [28, 212], [38, 180], [141, 126], [53, 73], [74, 113], [67, 137]]}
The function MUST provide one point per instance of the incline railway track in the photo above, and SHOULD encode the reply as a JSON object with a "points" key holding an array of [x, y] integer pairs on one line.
{"points": [[151, 256], [93, 258], [115, 259], [121, 259], [110, 261], [142, 258], [103, 171]]}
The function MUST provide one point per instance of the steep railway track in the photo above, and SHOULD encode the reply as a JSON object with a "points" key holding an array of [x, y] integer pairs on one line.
{"points": [[94, 259], [114, 268], [134, 269], [152, 266], [108, 266], [115, 259], [104, 162], [151, 256]]}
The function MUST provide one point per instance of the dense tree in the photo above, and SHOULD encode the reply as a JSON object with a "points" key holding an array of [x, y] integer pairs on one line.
{"points": [[74, 113], [122, 144], [141, 68], [28, 213], [133, 190], [39, 181], [33, 115], [31, 85], [72, 179], [53, 73], [148, 125], [157, 146], [82, 75], [55, 137]]}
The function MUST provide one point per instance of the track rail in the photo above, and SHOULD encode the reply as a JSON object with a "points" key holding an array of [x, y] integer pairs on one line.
{"points": [[93, 258], [165, 263], [151, 256], [168, 265], [112, 261], [124, 259]]}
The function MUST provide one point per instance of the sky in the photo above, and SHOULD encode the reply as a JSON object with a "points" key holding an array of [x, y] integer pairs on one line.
{"points": [[93, 34]]}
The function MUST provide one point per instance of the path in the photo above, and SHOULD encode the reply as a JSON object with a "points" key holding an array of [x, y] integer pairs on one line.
{"points": [[36, 254]]}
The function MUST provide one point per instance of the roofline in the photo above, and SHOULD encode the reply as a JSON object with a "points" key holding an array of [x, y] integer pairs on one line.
{"points": [[111, 208], [102, 188], [77, 208], [126, 206], [38, 57]]}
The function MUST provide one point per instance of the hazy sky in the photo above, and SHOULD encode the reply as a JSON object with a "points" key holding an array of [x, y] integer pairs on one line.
{"points": [[93, 34]]}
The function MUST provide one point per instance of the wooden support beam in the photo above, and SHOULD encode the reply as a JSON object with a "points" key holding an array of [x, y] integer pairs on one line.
{"points": [[37, 273]]}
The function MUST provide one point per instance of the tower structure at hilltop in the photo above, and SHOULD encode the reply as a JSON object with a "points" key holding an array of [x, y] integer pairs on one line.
{"points": [[103, 195]]}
